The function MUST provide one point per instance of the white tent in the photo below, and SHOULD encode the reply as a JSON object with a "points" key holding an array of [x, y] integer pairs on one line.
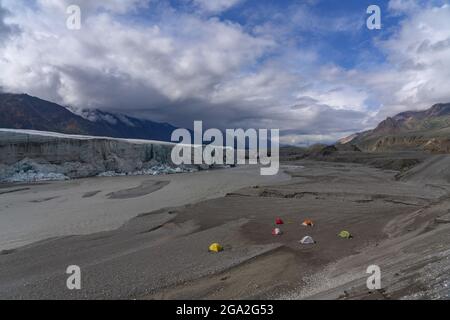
{"points": [[277, 232], [307, 240]]}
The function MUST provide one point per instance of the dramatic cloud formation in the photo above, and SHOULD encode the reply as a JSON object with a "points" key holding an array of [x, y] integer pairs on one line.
{"points": [[231, 63]]}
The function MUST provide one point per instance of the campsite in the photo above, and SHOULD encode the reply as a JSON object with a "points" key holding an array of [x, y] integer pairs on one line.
{"points": [[169, 247], [260, 150]]}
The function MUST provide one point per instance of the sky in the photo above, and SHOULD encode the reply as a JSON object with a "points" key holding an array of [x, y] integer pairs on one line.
{"points": [[309, 68]]}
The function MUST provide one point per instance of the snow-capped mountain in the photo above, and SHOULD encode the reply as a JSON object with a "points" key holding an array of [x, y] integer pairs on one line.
{"points": [[21, 111]]}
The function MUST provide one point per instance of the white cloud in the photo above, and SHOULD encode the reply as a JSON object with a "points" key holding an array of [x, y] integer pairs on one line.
{"points": [[216, 6], [403, 6], [418, 68]]}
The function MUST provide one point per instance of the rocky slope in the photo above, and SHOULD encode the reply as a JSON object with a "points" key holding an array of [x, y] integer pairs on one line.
{"points": [[427, 130]]}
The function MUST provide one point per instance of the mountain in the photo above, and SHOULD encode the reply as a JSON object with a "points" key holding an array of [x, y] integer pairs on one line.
{"points": [[427, 130], [123, 126], [21, 111]]}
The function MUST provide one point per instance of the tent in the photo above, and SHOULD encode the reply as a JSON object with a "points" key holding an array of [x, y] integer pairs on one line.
{"points": [[215, 247], [345, 234], [307, 240], [308, 223], [277, 232], [279, 221]]}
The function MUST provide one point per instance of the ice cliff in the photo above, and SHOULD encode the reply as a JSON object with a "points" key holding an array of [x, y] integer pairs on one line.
{"points": [[27, 155]]}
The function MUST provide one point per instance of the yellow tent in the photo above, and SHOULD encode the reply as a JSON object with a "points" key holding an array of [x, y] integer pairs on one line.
{"points": [[215, 247]]}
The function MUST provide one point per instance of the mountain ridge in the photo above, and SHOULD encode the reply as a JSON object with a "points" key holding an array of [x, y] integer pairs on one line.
{"points": [[22, 111], [427, 130]]}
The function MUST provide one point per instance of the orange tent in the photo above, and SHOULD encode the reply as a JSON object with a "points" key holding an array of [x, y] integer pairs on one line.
{"points": [[308, 223]]}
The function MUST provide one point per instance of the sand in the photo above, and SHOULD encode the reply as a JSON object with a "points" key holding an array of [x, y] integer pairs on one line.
{"points": [[163, 253]]}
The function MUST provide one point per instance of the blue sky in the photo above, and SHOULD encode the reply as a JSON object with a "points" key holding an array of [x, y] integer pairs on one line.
{"points": [[310, 68], [350, 46]]}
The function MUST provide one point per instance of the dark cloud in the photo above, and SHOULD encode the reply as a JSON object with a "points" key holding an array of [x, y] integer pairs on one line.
{"points": [[6, 30]]}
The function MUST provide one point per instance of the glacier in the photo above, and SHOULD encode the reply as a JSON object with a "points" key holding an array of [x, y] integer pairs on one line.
{"points": [[30, 155]]}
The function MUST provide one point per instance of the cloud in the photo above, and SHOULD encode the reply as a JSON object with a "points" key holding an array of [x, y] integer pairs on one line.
{"points": [[416, 75], [6, 30], [109, 63], [216, 6], [149, 59], [209, 69], [88, 6], [403, 6]]}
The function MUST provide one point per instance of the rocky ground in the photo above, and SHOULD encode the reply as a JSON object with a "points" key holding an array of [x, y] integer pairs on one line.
{"points": [[398, 220]]}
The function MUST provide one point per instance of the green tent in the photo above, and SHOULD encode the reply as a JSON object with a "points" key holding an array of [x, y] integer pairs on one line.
{"points": [[345, 234]]}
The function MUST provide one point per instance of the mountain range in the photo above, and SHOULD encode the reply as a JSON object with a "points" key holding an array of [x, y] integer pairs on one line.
{"points": [[427, 130], [22, 111]]}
